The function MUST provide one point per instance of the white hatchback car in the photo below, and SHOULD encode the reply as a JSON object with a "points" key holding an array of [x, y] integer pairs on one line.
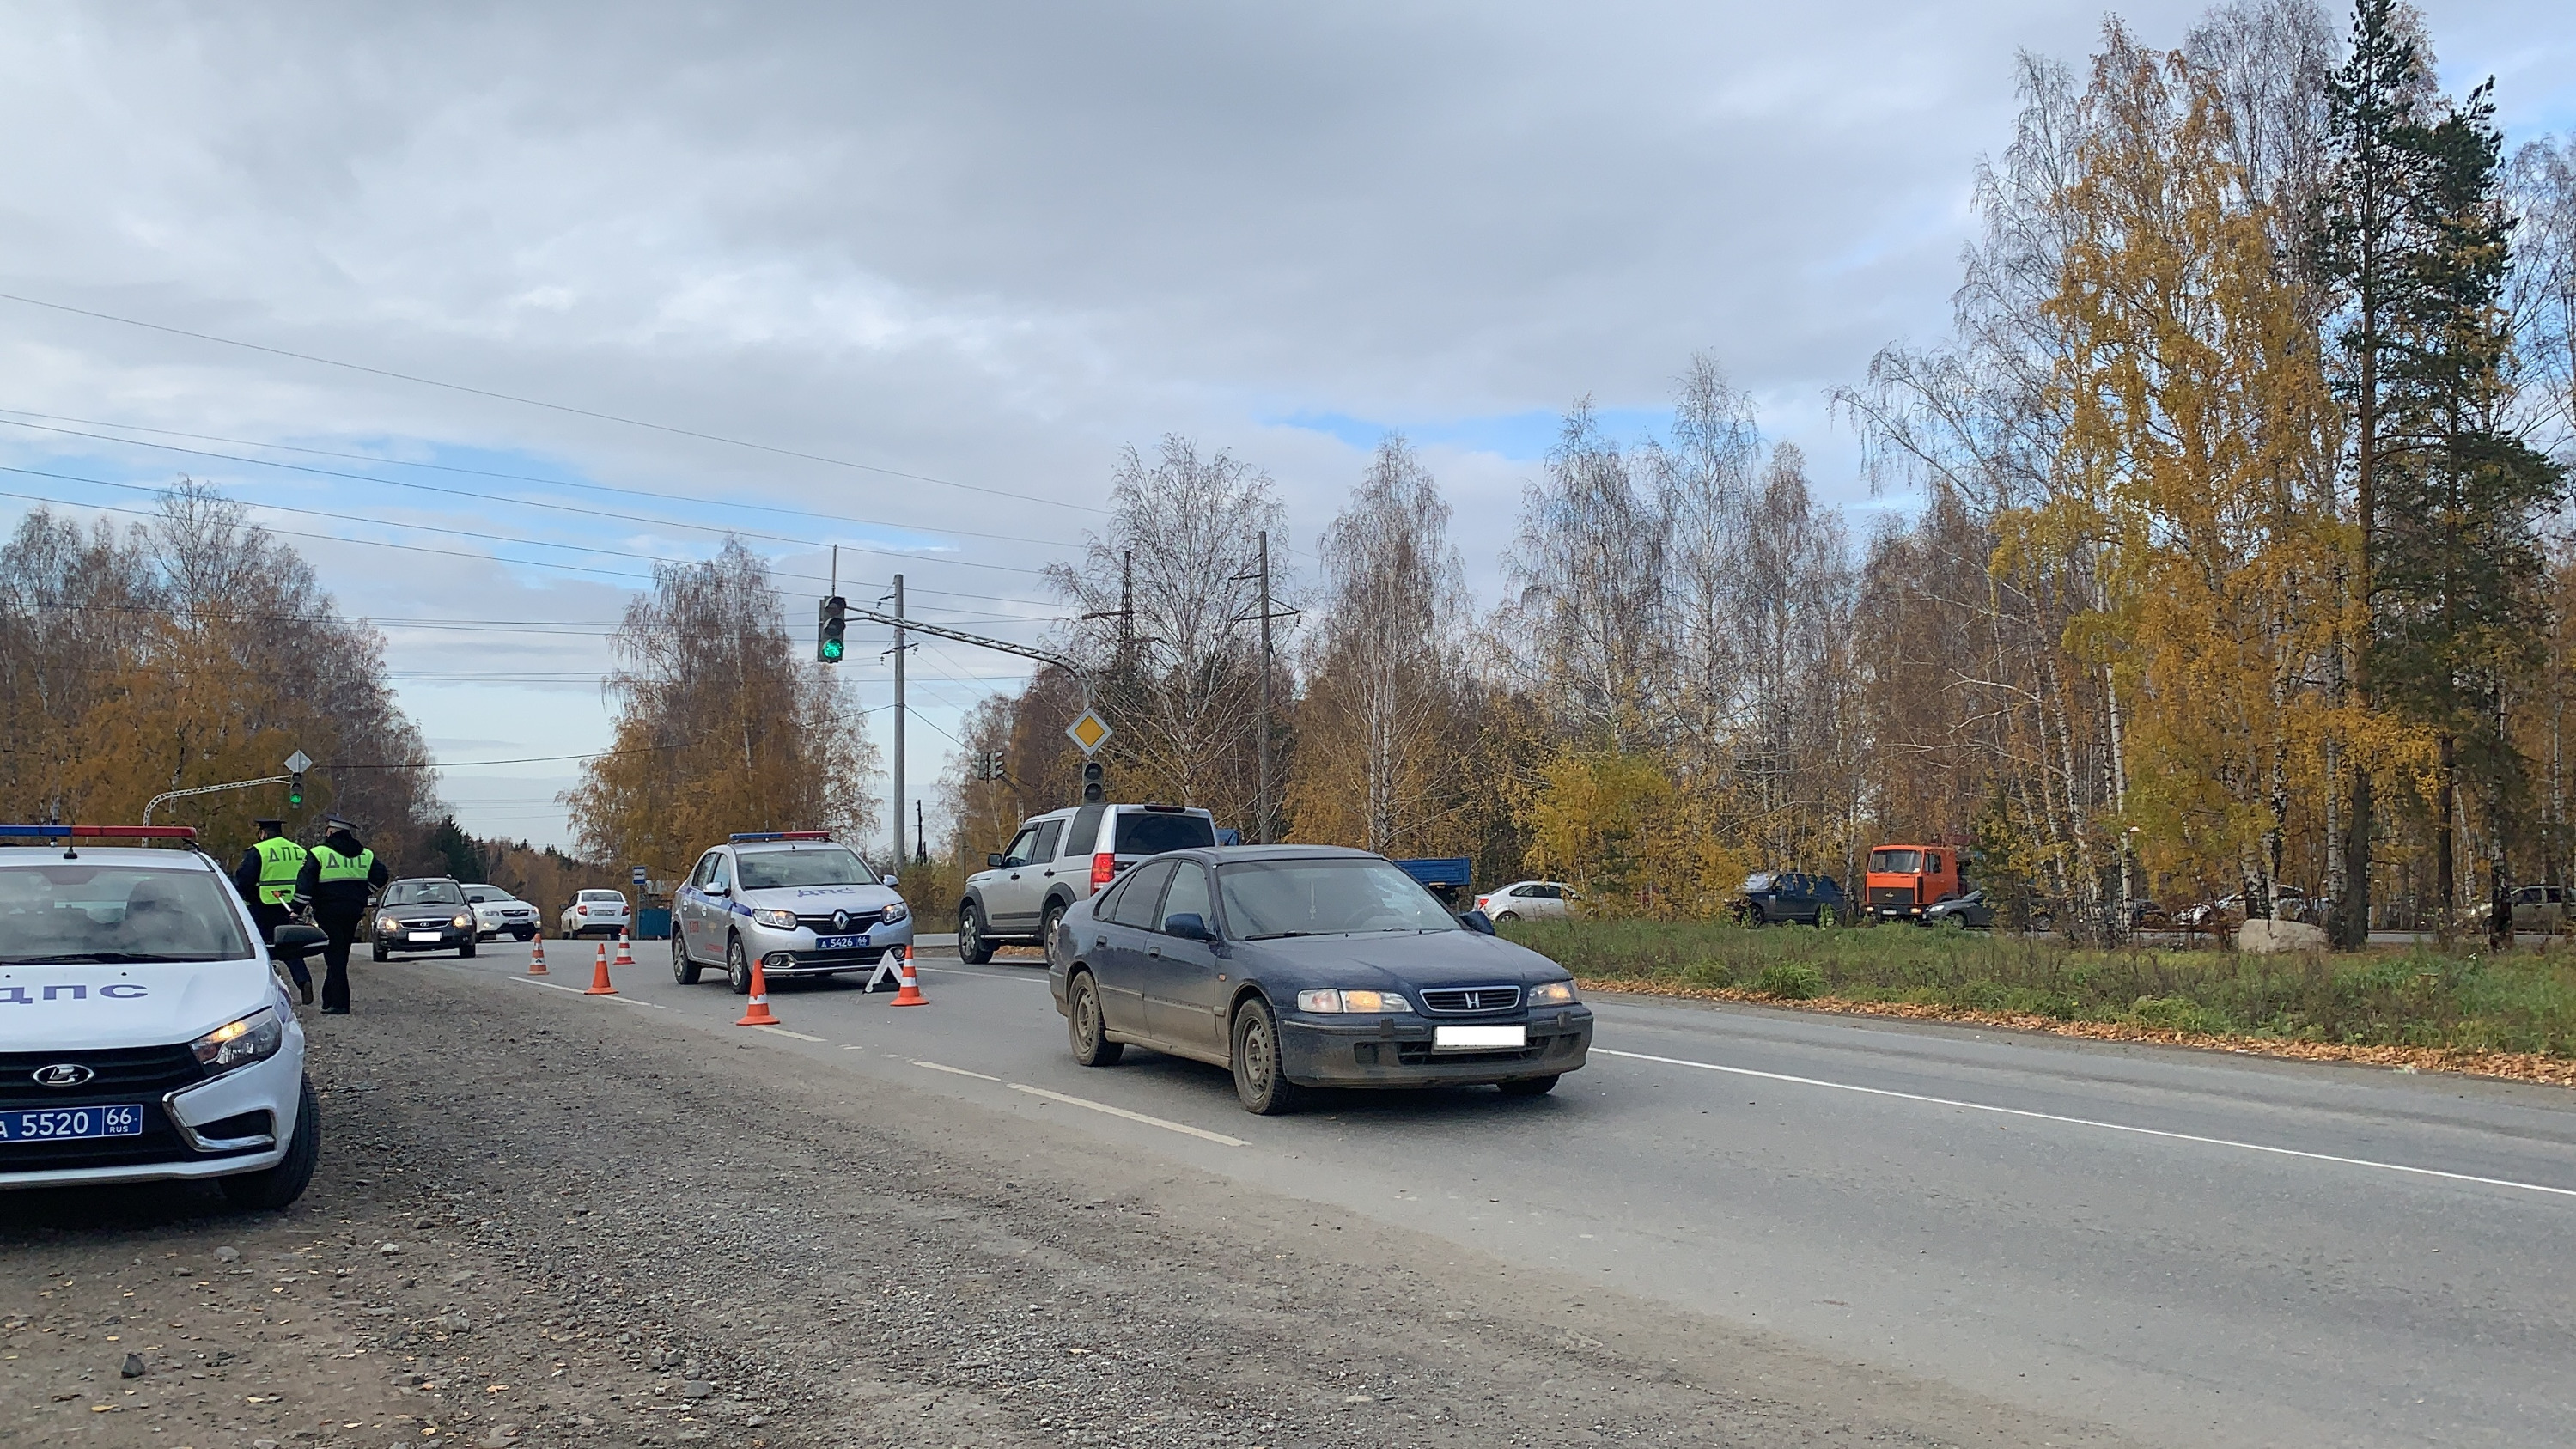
{"points": [[1529, 900], [602, 911], [143, 1032]]}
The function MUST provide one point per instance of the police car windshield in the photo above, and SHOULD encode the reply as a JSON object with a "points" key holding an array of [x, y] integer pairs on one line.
{"points": [[769, 870], [75, 911]]}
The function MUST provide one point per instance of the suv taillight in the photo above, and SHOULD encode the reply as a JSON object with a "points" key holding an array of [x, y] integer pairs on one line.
{"points": [[1104, 869]]}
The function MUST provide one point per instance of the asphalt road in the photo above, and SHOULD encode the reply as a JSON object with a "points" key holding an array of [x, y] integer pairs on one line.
{"points": [[2181, 1248]]}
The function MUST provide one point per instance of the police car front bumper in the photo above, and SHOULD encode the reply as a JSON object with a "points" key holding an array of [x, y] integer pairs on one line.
{"points": [[800, 953], [208, 1129]]}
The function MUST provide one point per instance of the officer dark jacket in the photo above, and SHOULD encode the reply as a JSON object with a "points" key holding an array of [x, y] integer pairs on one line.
{"points": [[340, 874]]}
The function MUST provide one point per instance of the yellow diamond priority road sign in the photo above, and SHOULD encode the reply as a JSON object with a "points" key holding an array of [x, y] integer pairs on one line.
{"points": [[1090, 732]]}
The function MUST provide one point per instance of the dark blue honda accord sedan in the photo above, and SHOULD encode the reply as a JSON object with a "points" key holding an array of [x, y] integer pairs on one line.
{"points": [[1309, 966]]}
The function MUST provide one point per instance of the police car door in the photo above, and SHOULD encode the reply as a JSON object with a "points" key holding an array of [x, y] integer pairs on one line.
{"points": [[696, 909]]}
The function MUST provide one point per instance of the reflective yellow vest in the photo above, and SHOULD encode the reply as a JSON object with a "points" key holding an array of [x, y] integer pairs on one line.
{"points": [[336, 866], [280, 861]]}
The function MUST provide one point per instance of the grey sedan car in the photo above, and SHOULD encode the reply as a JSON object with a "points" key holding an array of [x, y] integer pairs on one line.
{"points": [[1309, 966]]}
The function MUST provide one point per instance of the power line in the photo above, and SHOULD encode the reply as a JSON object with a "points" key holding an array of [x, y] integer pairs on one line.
{"points": [[565, 408], [516, 477]]}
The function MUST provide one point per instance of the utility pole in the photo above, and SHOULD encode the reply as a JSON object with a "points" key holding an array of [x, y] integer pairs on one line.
{"points": [[1126, 605], [1261, 806], [899, 857]]}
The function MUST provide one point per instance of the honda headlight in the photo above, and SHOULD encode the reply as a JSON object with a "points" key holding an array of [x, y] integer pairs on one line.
{"points": [[776, 920], [1349, 1001], [1552, 993], [897, 912], [254, 1038]]}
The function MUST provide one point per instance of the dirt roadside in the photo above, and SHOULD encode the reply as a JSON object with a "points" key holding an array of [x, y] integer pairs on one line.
{"points": [[541, 1220]]}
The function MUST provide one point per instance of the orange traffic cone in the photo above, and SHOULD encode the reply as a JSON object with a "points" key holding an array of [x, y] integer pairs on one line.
{"points": [[537, 957], [910, 992], [599, 975], [625, 957], [758, 1015]]}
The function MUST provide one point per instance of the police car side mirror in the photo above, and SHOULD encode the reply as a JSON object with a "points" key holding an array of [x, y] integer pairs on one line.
{"points": [[717, 888], [297, 940]]}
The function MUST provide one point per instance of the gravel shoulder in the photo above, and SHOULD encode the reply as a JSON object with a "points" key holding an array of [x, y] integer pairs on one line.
{"points": [[540, 1220]]}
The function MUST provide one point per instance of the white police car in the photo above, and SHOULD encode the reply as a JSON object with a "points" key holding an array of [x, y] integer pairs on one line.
{"points": [[143, 1034], [791, 900]]}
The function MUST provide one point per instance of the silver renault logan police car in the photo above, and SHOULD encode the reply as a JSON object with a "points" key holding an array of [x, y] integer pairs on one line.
{"points": [[793, 900], [143, 1033]]}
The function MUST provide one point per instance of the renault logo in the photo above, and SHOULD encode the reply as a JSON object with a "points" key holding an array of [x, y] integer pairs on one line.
{"points": [[63, 1074], [840, 920]]}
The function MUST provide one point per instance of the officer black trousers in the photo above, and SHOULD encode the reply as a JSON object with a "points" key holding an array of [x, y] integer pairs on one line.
{"points": [[340, 927], [270, 918]]}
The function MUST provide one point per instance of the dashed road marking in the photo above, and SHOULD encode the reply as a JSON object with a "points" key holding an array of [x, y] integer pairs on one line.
{"points": [[955, 1071], [2100, 1126], [1163, 1122], [577, 991], [782, 1031]]}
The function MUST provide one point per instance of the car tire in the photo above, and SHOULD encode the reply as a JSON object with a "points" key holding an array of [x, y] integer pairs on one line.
{"points": [[525, 936], [737, 966], [275, 1187], [1085, 1028], [1048, 927], [1506, 918], [1528, 1086], [1260, 1082], [973, 946], [465, 952], [683, 970], [376, 949]]}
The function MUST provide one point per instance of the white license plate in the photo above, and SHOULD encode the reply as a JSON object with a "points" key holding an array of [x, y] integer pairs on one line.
{"points": [[1478, 1038], [424, 935]]}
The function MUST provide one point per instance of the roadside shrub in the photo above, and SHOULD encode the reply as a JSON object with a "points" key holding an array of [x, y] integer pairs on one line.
{"points": [[1790, 981]]}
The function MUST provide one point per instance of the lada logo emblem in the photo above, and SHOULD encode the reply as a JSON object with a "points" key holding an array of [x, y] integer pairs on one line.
{"points": [[840, 920], [63, 1074]]}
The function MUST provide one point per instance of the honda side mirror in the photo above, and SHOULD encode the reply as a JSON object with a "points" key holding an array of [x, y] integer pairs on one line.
{"points": [[993, 861], [1188, 925], [1478, 922]]}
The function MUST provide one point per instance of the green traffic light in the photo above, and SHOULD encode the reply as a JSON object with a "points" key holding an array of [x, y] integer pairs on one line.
{"points": [[831, 650], [294, 797]]}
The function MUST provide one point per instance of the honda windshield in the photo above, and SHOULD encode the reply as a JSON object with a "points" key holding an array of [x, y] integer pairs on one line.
{"points": [[1270, 898], [769, 870], [71, 911]]}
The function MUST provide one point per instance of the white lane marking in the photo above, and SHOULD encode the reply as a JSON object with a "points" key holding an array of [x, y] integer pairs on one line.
{"points": [[2103, 1126], [577, 991], [1039, 979], [955, 1071], [1164, 1123], [782, 1031]]}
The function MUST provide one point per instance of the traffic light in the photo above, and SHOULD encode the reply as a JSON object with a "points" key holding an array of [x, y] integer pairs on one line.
{"points": [[295, 790], [1092, 791], [994, 766], [831, 621]]}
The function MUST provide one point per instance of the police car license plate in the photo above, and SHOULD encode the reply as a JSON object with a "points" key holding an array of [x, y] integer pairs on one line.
{"points": [[839, 943], [424, 935], [64, 1124], [1478, 1038]]}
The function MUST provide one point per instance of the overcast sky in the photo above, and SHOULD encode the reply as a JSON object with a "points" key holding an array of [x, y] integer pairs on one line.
{"points": [[980, 245]]}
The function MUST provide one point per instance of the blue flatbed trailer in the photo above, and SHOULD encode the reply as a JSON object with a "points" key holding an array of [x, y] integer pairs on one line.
{"points": [[1448, 878]]}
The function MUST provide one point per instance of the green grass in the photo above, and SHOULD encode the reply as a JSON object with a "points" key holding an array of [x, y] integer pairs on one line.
{"points": [[2521, 1001]]}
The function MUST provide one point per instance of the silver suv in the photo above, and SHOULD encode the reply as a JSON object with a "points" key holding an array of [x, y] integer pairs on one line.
{"points": [[1059, 858], [794, 901]]}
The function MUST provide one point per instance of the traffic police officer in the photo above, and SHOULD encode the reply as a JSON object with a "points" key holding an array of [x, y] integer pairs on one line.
{"points": [[338, 877], [266, 879]]}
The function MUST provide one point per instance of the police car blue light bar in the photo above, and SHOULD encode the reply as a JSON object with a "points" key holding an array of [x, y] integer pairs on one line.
{"points": [[98, 832], [748, 836]]}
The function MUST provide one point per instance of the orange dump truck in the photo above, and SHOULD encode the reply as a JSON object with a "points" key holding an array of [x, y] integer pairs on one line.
{"points": [[1903, 879]]}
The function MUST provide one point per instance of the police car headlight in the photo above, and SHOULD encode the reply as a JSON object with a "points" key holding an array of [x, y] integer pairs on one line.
{"points": [[254, 1038], [776, 920], [897, 912]]}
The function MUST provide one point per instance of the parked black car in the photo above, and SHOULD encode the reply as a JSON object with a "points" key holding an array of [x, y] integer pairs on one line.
{"points": [[1770, 898], [1968, 910], [1309, 966]]}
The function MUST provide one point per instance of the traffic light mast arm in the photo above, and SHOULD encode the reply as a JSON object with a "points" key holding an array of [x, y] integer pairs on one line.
{"points": [[1025, 651]]}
